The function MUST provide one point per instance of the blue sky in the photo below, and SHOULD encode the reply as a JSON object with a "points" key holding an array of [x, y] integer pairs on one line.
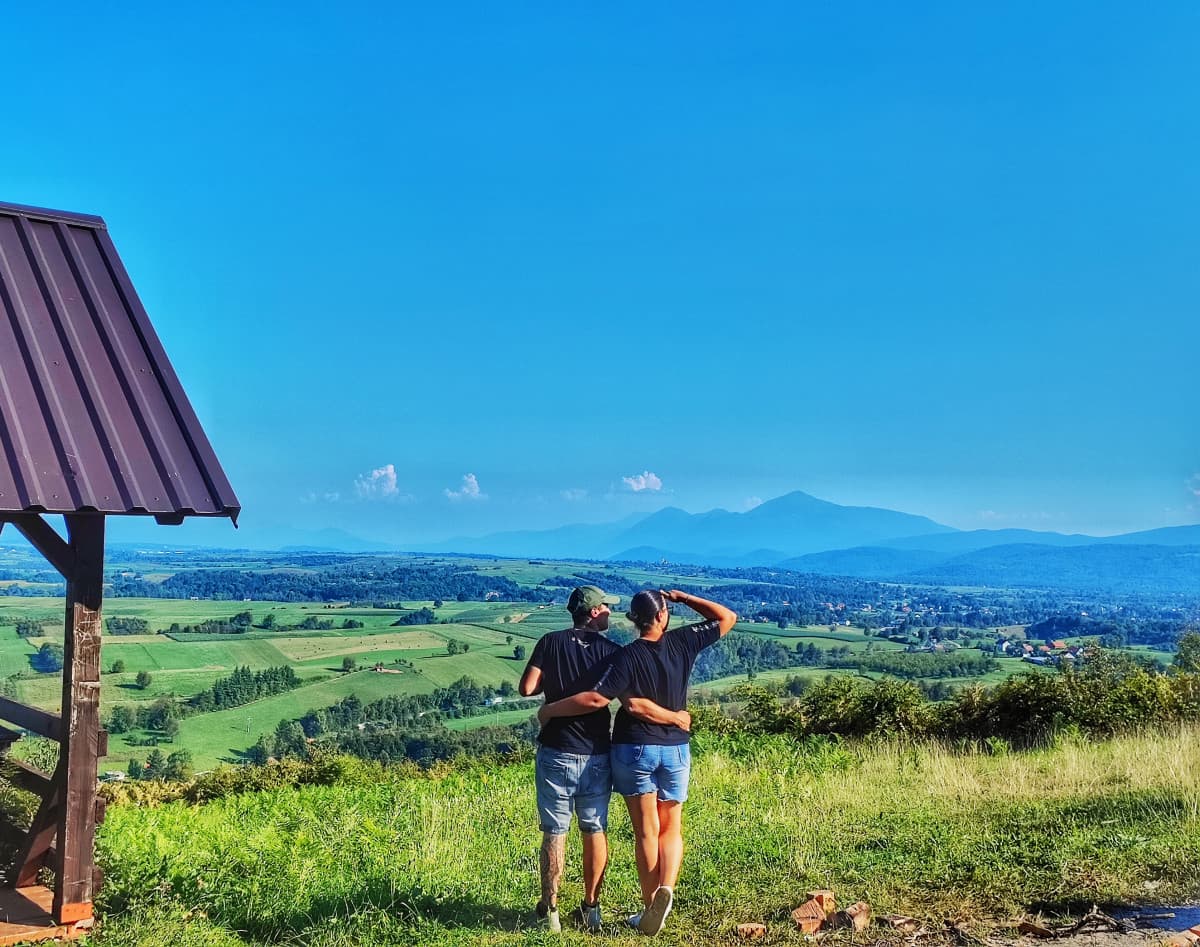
{"points": [[939, 259]]}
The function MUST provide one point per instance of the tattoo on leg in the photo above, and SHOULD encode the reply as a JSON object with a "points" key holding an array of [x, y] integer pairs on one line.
{"points": [[551, 859]]}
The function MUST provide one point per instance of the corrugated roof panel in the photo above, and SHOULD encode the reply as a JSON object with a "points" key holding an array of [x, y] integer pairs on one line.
{"points": [[92, 415]]}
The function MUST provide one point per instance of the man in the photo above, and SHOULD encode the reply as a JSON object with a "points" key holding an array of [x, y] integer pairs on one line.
{"points": [[651, 759], [572, 772]]}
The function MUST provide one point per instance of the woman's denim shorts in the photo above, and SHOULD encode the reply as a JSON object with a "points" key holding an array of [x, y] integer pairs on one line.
{"points": [[639, 768]]}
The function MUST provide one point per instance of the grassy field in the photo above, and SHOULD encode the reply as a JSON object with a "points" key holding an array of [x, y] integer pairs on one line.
{"points": [[188, 664], [392, 859], [216, 737]]}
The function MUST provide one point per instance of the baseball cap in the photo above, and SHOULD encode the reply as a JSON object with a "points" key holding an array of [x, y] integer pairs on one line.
{"points": [[589, 596]]}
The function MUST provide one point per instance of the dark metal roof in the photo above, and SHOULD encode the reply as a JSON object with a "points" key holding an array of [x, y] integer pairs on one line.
{"points": [[92, 415]]}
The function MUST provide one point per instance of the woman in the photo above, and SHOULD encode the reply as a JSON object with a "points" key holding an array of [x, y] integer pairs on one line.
{"points": [[651, 762]]}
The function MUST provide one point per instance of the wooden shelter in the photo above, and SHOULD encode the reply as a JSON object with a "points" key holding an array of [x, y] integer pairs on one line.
{"points": [[93, 423]]}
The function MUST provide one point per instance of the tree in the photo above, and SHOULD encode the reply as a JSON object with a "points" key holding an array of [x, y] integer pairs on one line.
{"points": [[437, 603], [519, 652], [290, 739], [118, 667], [1187, 658], [171, 728], [143, 679], [508, 639], [156, 764], [136, 769], [122, 719], [452, 646], [260, 752], [178, 766], [466, 646], [268, 623], [348, 663]]}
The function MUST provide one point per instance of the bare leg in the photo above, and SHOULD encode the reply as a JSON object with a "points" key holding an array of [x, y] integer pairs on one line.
{"points": [[551, 859], [595, 860], [670, 842], [643, 813]]}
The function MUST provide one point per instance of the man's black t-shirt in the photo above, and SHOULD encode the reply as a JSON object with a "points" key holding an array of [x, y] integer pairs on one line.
{"points": [[565, 658], [658, 670]]}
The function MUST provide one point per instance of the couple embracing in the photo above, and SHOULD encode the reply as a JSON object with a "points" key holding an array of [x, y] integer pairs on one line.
{"points": [[646, 757]]}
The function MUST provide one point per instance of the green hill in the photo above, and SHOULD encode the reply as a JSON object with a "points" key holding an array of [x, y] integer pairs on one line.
{"points": [[389, 857]]}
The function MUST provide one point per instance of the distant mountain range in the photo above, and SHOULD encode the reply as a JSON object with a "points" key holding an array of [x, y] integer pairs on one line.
{"points": [[802, 533], [791, 525]]}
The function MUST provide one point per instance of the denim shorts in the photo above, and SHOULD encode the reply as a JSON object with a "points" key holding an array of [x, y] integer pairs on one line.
{"points": [[569, 782], [640, 768]]}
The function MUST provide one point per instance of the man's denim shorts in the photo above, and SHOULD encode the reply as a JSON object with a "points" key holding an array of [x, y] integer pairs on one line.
{"points": [[640, 768], [569, 782]]}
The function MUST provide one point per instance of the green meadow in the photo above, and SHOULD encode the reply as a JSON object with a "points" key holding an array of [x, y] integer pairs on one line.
{"points": [[186, 664]]}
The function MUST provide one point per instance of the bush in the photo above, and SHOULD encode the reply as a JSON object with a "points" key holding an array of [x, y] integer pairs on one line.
{"points": [[1109, 694]]}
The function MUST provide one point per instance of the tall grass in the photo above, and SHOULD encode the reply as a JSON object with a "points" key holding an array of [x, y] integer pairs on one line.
{"points": [[450, 858]]}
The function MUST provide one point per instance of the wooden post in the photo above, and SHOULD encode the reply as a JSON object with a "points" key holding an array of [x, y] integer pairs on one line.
{"points": [[80, 750]]}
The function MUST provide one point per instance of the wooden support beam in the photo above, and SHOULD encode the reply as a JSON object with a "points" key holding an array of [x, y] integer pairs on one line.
{"points": [[31, 718], [74, 885], [45, 540], [34, 851]]}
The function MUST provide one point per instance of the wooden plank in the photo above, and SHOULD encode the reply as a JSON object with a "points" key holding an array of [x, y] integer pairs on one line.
{"points": [[29, 778], [43, 828], [25, 918], [45, 540], [73, 888], [31, 718]]}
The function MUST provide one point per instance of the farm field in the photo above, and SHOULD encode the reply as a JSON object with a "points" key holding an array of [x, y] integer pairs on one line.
{"points": [[501, 718], [820, 635], [1008, 667], [220, 736], [184, 665]]}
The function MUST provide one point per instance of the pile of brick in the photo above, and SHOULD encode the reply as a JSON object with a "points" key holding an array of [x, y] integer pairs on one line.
{"points": [[820, 912]]}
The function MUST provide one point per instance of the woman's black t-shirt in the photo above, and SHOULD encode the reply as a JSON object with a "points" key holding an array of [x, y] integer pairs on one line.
{"points": [[658, 670]]}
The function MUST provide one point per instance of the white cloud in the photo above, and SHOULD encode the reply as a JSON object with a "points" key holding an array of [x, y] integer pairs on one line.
{"points": [[1194, 484], [643, 481], [380, 483], [574, 494], [469, 490], [751, 502]]}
